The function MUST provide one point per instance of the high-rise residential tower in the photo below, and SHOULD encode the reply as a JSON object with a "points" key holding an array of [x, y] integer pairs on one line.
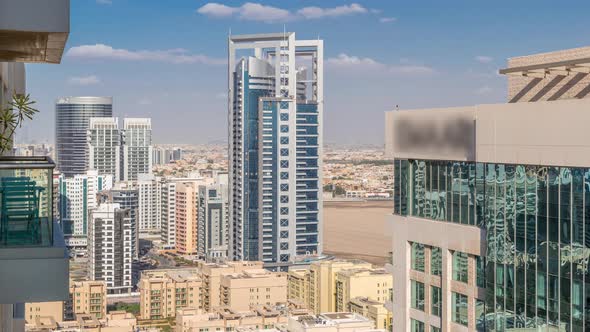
{"points": [[72, 119], [109, 247], [137, 148], [104, 146], [77, 197], [213, 222], [275, 147], [491, 220]]}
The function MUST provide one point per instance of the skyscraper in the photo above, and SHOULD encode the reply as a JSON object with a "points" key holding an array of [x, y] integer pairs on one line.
{"points": [[137, 148], [275, 147], [104, 146], [491, 220], [109, 247], [72, 118], [149, 188], [186, 217], [127, 196]]}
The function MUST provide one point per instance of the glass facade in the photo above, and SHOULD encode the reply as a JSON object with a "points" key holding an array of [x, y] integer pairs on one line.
{"points": [[436, 301], [537, 221], [435, 261], [417, 257], [459, 308], [416, 326], [460, 267]]}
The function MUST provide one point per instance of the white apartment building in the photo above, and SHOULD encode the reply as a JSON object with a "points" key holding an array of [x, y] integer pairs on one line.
{"points": [[137, 148], [104, 146], [149, 214], [213, 222], [110, 247], [77, 198]]}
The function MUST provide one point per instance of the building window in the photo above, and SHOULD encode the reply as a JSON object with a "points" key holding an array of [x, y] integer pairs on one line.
{"points": [[480, 269], [284, 199], [284, 175], [417, 295], [284, 163], [416, 326], [284, 116], [284, 210], [480, 315], [284, 222], [284, 234], [460, 266], [284, 105], [284, 140], [417, 257], [459, 308], [436, 300], [284, 187], [284, 246], [435, 261], [284, 129], [434, 329], [284, 152]]}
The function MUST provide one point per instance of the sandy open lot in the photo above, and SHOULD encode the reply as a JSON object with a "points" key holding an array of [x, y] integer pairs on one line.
{"points": [[357, 230]]}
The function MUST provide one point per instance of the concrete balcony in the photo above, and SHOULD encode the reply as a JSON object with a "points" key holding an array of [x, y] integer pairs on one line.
{"points": [[33, 257], [33, 31]]}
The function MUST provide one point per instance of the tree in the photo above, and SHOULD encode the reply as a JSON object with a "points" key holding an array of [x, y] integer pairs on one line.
{"points": [[12, 117]]}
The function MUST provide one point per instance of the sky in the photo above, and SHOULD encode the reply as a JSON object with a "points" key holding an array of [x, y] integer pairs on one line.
{"points": [[166, 59]]}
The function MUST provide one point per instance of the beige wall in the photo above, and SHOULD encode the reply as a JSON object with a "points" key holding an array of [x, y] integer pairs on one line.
{"points": [[192, 320], [298, 280], [211, 274], [551, 133], [253, 288], [44, 309], [552, 87]]}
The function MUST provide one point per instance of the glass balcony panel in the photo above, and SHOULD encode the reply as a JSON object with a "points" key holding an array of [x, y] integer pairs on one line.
{"points": [[26, 209]]}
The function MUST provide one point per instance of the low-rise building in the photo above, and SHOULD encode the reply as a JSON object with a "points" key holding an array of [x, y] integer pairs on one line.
{"points": [[374, 284], [252, 288], [226, 319], [163, 292], [44, 309], [331, 322], [298, 285], [373, 310], [116, 321], [86, 298]]}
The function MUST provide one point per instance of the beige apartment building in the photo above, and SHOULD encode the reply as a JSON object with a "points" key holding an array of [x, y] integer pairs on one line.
{"points": [[211, 275], [115, 321], [253, 288], [373, 310], [374, 284], [186, 217], [163, 292], [331, 322], [86, 298], [298, 286], [225, 319], [322, 282]]}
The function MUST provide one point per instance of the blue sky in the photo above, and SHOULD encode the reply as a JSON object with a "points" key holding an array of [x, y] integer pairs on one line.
{"points": [[165, 59]]}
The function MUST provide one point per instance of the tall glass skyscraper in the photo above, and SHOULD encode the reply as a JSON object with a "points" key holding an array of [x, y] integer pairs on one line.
{"points": [[72, 118], [137, 148], [275, 147]]}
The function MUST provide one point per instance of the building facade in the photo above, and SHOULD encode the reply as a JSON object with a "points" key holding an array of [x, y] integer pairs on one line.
{"points": [[77, 197], [109, 247], [72, 119], [213, 222], [126, 195], [187, 209], [149, 188], [86, 298], [373, 284], [252, 288], [104, 146], [490, 223], [168, 213], [163, 292], [137, 148], [275, 147]]}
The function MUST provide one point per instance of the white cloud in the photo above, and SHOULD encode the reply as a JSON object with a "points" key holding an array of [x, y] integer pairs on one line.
{"points": [[350, 61], [251, 11], [104, 2], [84, 80], [217, 10], [484, 90], [484, 59], [387, 19], [318, 12], [177, 56]]}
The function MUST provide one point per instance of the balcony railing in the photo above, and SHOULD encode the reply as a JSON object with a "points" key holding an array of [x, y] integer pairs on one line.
{"points": [[26, 202]]}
